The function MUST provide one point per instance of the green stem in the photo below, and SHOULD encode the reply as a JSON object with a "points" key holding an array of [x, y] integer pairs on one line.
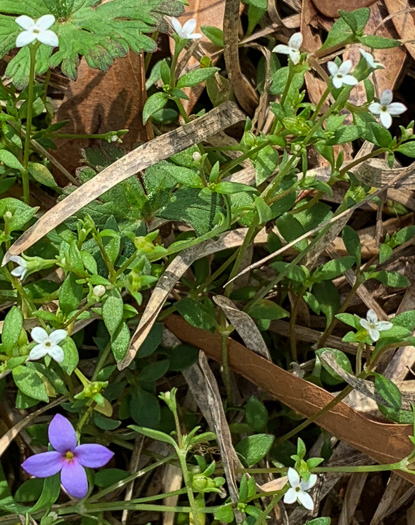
{"points": [[26, 150], [361, 159], [320, 103], [101, 361], [293, 318]]}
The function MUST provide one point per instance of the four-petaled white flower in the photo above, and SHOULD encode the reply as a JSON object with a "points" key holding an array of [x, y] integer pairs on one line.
{"points": [[373, 326], [47, 344], [292, 49], [298, 489], [340, 74], [21, 269], [386, 108], [185, 31], [36, 30], [370, 59]]}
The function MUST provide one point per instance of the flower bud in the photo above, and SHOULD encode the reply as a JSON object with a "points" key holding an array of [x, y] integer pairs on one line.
{"points": [[8, 215], [99, 290], [197, 157]]}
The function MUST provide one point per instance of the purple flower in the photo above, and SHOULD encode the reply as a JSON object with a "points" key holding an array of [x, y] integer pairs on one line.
{"points": [[67, 458]]}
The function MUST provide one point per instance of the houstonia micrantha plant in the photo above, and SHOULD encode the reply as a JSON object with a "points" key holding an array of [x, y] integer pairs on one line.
{"points": [[73, 300]]}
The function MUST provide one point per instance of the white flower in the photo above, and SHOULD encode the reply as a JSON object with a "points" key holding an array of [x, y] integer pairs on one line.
{"points": [[36, 30], [47, 344], [21, 270], [386, 108], [340, 74], [298, 489], [292, 49], [370, 59], [373, 326], [197, 157], [185, 31]]}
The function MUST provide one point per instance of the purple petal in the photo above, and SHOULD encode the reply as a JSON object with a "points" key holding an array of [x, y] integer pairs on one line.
{"points": [[62, 435], [73, 479], [93, 456], [44, 465]]}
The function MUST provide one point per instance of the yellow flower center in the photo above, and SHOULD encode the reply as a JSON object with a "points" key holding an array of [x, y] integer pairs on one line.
{"points": [[69, 455]]}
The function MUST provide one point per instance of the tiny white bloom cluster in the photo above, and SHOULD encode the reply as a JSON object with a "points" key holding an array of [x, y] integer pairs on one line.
{"points": [[36, 30], [340, 74], [21, 269], [47, 344], [298, 489], [185, 31], [292, 49], [387, 109], [373, 326]]}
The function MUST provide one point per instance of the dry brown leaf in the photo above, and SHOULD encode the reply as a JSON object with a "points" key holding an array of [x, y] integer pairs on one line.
{"points": [[383, 442], [137, 160], [331, 8], [102, 101], [402, 18]]}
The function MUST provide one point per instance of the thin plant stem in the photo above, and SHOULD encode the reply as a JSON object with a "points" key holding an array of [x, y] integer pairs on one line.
{"points": [[293, 318]]}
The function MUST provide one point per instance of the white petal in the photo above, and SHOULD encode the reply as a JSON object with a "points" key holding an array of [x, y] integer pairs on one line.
{"points": [[375, 108], [282, 48], [305, 500], [290, 496], [18, 272], [368, 57], [295, 56], [25, 22], [18, 260], [333, 69], [374, 335], [365, 324], [383, 325], [307, 485], [56, 353], [396, 108], [37, 352], [57, 336], [45, 22], [386, 97], [25, 38], [193, 36], [177, 26], [385, 119], [293, 477], [39, 335], [371, 316], [345, 67], [189, 26], [350, 80], [49, 38], [337, 82], [296, 40]]}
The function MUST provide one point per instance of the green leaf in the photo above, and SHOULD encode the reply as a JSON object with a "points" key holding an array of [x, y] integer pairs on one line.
{"points": [[182, 356], [267, 309], [30, 383], [404, 235], [214, 34], [152, 341], [350, 319], [224, 514], [345, 134], [186, 176], [266, 163], [407, 149], [352, 242], [50, 493], [193, 78], [154, 104], [13, 324], [388, 391], [341, 32], [71, 356], [319, 521], [10, 160], [394, 279], [41, 174], [328, 299], [290, 228], [333, 268], [264, 211], [379, 42], [70, 294], [379, 135], [144, 408], [112, 312], [200, 315], [350, 19], [154, 371], [120, 342], [385, 252], [229, 188], [256, 414], [107, 477], [30, 490], [254, 448]]}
